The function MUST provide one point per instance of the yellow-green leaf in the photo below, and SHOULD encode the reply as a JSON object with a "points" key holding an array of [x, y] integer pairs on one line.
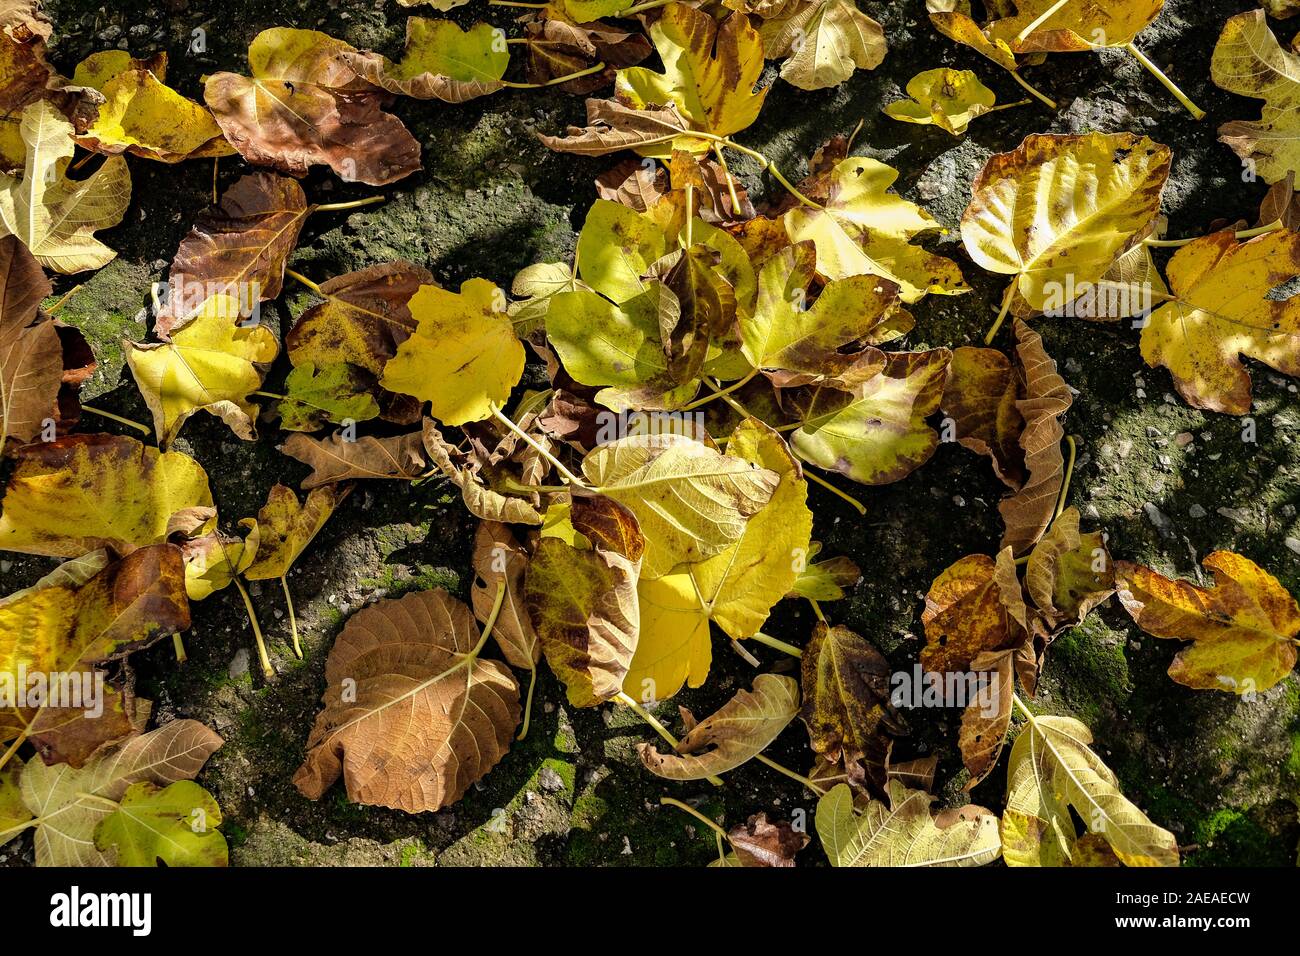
{"points": [[174, 825]]}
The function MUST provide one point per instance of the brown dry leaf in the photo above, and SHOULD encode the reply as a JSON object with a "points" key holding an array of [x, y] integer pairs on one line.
{"points": [[402, 664], [338, 459], [761, 842], [975, 605], [304, 105], [1069, 573], [557, 47], [238, 249], [986, 719], [478, 476], [980, 401], [613, 126], [724, 740], [846, 702], [499, 561], [583, 602], [31, 365], [1029, 511]]}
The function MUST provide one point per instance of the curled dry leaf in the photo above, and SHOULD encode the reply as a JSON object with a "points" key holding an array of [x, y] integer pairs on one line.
{"points": [[1244, 629], [904, 833], [213, 561], [582, 601], [976, 605], [980, 403], [211, 365], [762, 842], [558, 48], [237, 250], [340, 458], [1069, 572], [613, 126], [1222, 309], [31, 370], [413, 660], [68, 805], [724, 740], [500, 562], [304, 106], [54, 502], [481, 485], [56, 217]]}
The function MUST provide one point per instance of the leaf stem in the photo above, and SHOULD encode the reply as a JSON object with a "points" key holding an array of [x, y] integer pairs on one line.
{"points": [[96, 798], [1273, 226], [1007, 296], [305, 281], [554, 81], [491, 622], [720, 393], [768, 165], [731, 182], [267, 671], [528, 703], [819, 480], [642, 7], [532, 443], [817, 609], [1069, 473], [780, 768], [293, 619], [775, 644], [354, 204], [1196, 111], [670, 802], [1040, 20], [116, 418], [1043, 97], [178, 645], [65, 297], [623, 698], [13, 748], [14, 831]]}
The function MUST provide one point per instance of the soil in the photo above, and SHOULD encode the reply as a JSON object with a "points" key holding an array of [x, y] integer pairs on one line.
{"points": [[1222, 773]]}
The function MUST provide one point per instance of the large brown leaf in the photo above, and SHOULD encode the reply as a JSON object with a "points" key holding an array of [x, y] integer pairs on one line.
{"points": [[238, 249], [304, 106], [412, 716], [31, 366]]}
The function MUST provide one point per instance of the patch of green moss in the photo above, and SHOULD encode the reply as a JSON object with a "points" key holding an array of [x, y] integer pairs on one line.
{"points": [[104, 309], [1232, 837], [1088, 664]]}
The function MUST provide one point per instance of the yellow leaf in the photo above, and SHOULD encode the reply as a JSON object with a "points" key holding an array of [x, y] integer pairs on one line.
{"points": [[674, 646], [709, 75], [143, 116], [691, 501], [209, 365], [1052, 769], [463, 356], [1222, 310], [1057, 212], [1244, 629], [1078, 25], [824, 41], [948, 99], [441, 61], [213, 561], [904, 833], [287, 527], [1249, 60], [864, 229], [54, 504], [54, 216]]}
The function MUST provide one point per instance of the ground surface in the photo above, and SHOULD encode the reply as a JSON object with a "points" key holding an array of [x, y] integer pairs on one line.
{"points": [[1224, 775]]}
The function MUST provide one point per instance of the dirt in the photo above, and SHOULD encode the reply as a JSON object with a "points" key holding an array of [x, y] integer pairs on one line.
{"points": [[1222, 773]]}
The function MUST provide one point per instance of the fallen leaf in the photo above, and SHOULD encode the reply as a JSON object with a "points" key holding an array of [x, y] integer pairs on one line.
{"points": [[559, 48], [741, 729], [864, 230], [761, 842], [1052, 769], [463, 356], [339, 459], [1244, 629], [1057, 247], [211, 365], [582, 601], [846, 701], [822, 42], [337, 393], [411, 661], [56, 217], [974, 606], [54, 502], [304, 106], [980, 402], [710, 71], [174, 825], [613, 126], [481, 489], [1075, 27], [674, 647], [691, 501], [946, 98], [904, 833], [237, 250], [1248, 60], [143, 116], [500, 562], [441, 62], [31, 370], [286, 527], [1221, 310], [70, 804], [1069, 572]]}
